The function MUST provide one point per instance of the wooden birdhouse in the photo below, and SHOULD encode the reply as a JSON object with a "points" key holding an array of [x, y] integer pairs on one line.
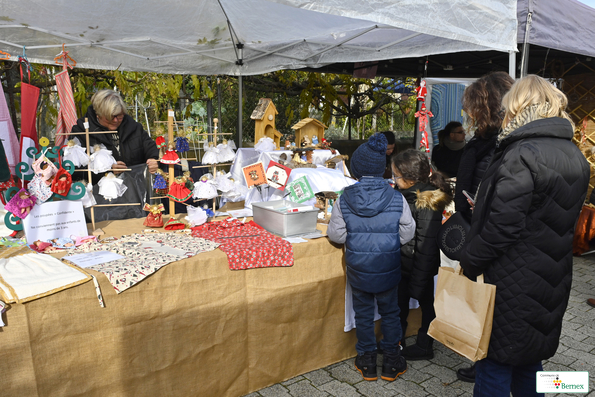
{"points": [[264, 119], [308, 128]]}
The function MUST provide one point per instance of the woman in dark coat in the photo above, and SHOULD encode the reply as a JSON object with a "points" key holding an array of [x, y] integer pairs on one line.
{"points": [[521, 235], [482, 101], [130, 144]]}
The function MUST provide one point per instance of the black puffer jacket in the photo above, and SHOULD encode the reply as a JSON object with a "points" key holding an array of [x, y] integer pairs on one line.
{"points": [[136, 146], [420, 257], [521, 237], [474, 162]]}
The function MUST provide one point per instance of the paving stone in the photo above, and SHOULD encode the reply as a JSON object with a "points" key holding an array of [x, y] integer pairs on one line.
{"points": [[304, 388], [405, 387], [274, 391], [444, 374], [376, 389], [437, 377], [437, 388], [339, 389], [562, 359], [346, 372], [292, 380], [318, 377]]}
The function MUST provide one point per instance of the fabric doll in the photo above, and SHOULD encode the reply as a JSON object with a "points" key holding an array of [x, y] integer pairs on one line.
{"points": [[160, 142], [204, 189], [62, 242], [101, 159], [111, 187], [44, 168], [226, 154], [62, 182], [196, 216], [182, 144], [21, 203], [232, 145], [170, 157], [314, 140], [73, 151], [154, 218], [265, 144], [159, 183], [178, 190], [88, 199], [210, 156]]}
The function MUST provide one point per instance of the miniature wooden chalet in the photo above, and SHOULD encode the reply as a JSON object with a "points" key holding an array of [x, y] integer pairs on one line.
{"points": [[264, 119], [308, 127]]}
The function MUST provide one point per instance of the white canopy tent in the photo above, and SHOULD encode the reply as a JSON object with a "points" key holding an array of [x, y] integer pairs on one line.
{"points": [[206, 36]]}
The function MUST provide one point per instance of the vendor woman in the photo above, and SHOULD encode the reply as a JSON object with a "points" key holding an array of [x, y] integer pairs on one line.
{"points": [[129, 142]]}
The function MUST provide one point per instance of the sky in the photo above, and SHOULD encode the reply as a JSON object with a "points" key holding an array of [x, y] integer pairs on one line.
{"points": [[590, 3]]}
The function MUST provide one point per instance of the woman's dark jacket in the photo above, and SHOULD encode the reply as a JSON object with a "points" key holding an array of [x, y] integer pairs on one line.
{"points": [[136, 146], [521, 237], [474, 162], [420, 257]]}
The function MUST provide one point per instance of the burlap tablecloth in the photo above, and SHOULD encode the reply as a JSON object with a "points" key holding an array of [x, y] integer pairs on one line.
{"points": [[194, 328]]}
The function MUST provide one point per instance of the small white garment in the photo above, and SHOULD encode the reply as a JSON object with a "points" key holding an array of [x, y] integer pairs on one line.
{"points": [[238, 193], [265, 144], [76, 153], [210, 156], [204, 189], [225, 154], [101, 159], [111, 187], [196, 216], [223, 182], [232, 145], [31, 276]]}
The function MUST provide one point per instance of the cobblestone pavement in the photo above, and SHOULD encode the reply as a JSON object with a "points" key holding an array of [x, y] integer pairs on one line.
{"points": [[437, 377]]}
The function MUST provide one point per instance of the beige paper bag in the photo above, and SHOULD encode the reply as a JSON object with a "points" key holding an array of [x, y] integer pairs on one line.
{"points": [[464, 313]]}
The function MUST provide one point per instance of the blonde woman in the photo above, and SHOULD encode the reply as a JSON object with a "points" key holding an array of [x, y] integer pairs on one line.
{"points": [[129, 142], [521, 235]]}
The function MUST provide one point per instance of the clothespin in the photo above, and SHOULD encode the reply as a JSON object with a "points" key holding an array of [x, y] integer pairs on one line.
{"points": [[64, 59], [23, 59], [4, 55]]}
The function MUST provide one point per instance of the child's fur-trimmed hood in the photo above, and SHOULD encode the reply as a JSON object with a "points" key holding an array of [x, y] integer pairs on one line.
{"points": [[435, 200]]}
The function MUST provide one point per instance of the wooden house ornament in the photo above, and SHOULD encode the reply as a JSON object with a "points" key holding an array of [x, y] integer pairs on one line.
{"points": [[264, 119], [307, 128]]}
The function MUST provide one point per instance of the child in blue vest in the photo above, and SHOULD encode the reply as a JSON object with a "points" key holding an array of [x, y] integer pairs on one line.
{"points": [[373, 220]]}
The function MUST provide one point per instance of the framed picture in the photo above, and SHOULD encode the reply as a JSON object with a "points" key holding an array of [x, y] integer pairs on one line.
{"points": [[254, 174], [277, 175]]}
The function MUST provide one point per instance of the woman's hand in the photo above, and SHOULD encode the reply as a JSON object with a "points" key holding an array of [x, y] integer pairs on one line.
{"points": [[120, 165], [152, 165]]}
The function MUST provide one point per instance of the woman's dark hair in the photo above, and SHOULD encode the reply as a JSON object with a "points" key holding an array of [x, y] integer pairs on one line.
{"points": [[482, 101], [390, 137], [415, 166], [447, 130]]}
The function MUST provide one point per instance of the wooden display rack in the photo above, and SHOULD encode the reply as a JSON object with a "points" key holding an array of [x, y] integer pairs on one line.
{"points": [[89, 175], [171, 174]]}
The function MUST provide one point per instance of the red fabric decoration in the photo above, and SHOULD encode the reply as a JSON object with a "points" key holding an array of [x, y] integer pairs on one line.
{"points": [[62, 182], [174, 224]]}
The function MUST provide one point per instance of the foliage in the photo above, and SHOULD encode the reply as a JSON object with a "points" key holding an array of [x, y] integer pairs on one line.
{"points": [[369, 105]]}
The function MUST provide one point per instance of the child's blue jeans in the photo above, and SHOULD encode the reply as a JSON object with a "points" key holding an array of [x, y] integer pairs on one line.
{"points": [[388, 308]]}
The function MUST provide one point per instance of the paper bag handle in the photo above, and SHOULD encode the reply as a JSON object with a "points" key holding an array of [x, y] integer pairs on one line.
{"points": [[459, 271]]}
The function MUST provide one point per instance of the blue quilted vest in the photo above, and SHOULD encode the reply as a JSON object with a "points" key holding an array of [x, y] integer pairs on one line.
{"points": [[372, 210]]}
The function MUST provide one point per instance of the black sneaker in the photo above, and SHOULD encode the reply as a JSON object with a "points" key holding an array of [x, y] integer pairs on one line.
{"points": [[393, 365], [366, 365], [416, 352]]}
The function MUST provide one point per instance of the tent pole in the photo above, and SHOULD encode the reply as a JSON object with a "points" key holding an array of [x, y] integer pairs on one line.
{"points": [[512, 64], [240, 139]]}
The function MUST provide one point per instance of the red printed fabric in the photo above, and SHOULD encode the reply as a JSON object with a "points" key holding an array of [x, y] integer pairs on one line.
{"points": [[247, 245]]}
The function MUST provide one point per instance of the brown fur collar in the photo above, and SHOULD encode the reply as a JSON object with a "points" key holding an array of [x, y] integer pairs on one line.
{"points": [[436, 200]]}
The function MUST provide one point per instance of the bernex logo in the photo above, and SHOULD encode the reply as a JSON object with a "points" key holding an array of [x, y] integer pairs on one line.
{"points": [[562, 382]]}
